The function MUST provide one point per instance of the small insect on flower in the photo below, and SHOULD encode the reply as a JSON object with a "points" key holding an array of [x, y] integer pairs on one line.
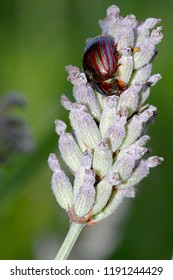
{"points": [[100, 63]]}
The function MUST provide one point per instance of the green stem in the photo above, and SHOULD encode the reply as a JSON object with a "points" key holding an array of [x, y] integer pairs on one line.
{"points": [[69, 241]]}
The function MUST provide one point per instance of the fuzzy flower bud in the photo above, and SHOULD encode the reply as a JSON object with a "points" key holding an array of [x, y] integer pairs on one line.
{"points": [[143, 29], [108, 114], [61, 185], [125, 34], [104, 190], [84, 199], [83, 92], [141, 171], [116, 132], [81, 173], [129, 98], [68, 147], [114, 201], [137, 126], [89, 132], [102, 159], [125, 69], [147, 49]]}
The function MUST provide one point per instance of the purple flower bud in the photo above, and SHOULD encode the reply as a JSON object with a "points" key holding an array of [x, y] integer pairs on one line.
{"points": [[85, 196], [68, 147], [116, 132], [141, 171], [102, 159], [61, 185], [82, 173], [53, 163]]}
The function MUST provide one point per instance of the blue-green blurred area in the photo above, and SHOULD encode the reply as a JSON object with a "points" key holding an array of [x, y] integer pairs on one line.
{"points": [[38, 38]]}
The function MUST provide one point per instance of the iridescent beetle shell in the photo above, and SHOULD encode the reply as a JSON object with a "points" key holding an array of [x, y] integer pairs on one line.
{"points": [[100, 65]]}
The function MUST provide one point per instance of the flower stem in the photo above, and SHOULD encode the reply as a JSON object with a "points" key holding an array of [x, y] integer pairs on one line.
{"points": [[69, 241]]}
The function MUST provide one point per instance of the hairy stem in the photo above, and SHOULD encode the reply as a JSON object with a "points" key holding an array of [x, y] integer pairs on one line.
{"points": [[69, 241]]}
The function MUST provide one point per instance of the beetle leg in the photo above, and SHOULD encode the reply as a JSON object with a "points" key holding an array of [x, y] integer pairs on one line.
{"points": [[121, 86], [135, 49], [118, 65]]}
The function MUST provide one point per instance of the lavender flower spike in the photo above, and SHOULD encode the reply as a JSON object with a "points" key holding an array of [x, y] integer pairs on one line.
{"points": [[105, 150]]}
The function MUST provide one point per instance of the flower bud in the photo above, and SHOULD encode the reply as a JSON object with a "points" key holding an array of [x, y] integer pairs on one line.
{"points": [[125, 69], [144, 94], [142, 74], [86, 95], [110, 24], [103, 192], [88, 129], [81, 173], [83, 92], [108, 114], [125, 164], [53, 163], [84, 199], [60, 183], [102, 159], [137, 125], [101, 99], [114, 201], [154, 79], [134, 147], [147, 49], [75, 77], [125, 35], [68, 147], [143, 30], [116, 132], [73, 108], [141, 171], [129, 98]]}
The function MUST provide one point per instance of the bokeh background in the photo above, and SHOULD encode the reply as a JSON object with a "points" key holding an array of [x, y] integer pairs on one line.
{"points": [[38, 38]]}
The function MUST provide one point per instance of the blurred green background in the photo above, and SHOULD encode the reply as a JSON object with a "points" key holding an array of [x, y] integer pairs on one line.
{"points": [[38, 38]]}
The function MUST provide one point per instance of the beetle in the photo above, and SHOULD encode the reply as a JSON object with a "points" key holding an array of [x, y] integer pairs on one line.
{"points": [[100, 64]]}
